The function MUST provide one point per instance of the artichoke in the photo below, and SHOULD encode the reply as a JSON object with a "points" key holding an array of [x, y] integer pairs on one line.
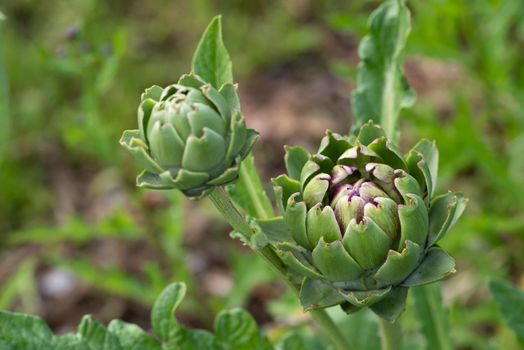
{"points": [[362, 222], [191, 136]]}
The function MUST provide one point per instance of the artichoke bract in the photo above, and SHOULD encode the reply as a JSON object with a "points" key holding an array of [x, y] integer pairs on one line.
{"points": [[191, 136], [363, 222]]}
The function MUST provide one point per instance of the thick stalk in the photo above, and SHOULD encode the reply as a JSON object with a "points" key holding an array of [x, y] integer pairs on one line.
{"points": [[224, 205], [329, 328], [390, 335]]}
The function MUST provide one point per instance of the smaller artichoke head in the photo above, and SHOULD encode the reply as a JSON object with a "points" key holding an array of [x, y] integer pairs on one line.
{"points": [[363, 221], [190, 137]]}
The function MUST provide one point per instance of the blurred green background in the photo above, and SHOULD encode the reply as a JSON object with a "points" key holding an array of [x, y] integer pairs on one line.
{"points": [[77, 237]]}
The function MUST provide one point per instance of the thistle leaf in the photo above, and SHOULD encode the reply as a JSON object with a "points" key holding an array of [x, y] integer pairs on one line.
{"points": [[211, 60], [382, 88]]}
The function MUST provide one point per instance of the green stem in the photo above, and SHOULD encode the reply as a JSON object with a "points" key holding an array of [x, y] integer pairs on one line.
{"points": [[221, 200], [390, 335], [329, 328], [432, 314], [262, 211]]}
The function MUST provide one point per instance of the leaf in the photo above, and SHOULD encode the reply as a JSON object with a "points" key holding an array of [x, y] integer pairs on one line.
{"points": [[295, 159], [393, 304], [510, 300], [382, 89], [433, 316], [248, 193], [96, 336], [24, 332], [293, 341], [191, 339], [436, 265], [4, 110], [163, 313], [132, 337], [211, 60], [275, 229], [236, 329], [318, 294]]}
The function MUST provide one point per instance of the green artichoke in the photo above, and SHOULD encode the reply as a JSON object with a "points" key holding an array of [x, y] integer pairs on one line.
{"points": [[191, 136], [363, 222]]}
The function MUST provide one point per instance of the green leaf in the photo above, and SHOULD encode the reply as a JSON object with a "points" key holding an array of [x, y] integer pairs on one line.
{"points": [[510, 300], [293, 341], [275, 229], [163, 314], [248, 193], [428, 150], [444, 212], [436, 265], [316, 294], [96, 336], [4, 110], [433, 317], [132, 337], [392, 305], [399, 265], [211, 60], [191, 339], [24, 332], [236, 329], [295, 159], [382, 89], [334, 262]]}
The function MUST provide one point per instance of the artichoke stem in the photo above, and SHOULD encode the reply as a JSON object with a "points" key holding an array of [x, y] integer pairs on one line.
{"points": [[221, 200], [390, 335]]}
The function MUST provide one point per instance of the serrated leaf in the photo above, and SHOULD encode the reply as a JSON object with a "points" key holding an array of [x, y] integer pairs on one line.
{"points": [[211, 60], [433, 316], [382, 89], [248, 192], [236, 329], [510, 300]]}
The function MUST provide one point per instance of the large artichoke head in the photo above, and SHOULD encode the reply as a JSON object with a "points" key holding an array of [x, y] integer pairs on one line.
{"points": [[190, 136], [363, 221]]}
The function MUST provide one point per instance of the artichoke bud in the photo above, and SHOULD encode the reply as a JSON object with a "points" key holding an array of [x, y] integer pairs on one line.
{"points": [[190, 136], [361, 216]]}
